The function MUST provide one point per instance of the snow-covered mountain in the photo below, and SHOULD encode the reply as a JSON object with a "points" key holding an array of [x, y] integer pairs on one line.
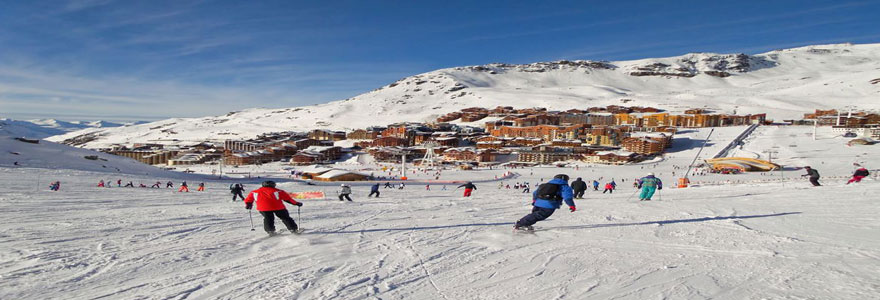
{"points": [[16, 152], [42, 128], [783, 83]]}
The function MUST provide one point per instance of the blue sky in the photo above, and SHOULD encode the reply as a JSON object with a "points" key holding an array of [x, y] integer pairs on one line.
{"points": [[145, 60]]}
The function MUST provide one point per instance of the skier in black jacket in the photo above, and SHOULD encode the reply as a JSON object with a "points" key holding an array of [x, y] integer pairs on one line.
{"points": [[468, 187], [579, 186], [814, 175], [236, 190]]}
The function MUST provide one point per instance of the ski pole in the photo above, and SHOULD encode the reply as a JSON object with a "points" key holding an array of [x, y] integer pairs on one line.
{"points": [[251, 215], [298, 215]]}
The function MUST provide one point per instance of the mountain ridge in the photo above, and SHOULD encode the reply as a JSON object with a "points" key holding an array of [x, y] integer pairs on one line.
{"points": [[783, 83]]}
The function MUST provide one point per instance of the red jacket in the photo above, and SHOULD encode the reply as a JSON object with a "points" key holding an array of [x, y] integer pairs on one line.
{"points": [[269, 199]]}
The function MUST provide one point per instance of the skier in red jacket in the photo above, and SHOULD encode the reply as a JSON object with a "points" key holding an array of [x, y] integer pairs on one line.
{"points": [[269, 204]]}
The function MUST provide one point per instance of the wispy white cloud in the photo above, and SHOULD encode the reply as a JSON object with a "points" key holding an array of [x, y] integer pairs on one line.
{"points": [[78, 5]]}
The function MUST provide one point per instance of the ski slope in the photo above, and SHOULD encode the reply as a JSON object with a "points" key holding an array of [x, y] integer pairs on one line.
{"points": [[745, 236], [764, 241]]}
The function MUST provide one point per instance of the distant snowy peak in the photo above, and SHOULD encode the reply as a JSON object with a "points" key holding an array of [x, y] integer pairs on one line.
{"points": [[73, 125], [42, 128], [783, 83]]}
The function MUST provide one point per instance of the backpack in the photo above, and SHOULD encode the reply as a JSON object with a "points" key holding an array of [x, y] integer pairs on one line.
{"points": [[548, 191]]}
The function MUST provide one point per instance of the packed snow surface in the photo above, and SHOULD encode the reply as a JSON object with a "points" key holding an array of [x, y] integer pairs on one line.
{"points": [[785, 84], [747, 236], [761, 241]]}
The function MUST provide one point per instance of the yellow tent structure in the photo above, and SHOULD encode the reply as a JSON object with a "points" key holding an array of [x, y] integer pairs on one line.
{"points": [[743, 164]]}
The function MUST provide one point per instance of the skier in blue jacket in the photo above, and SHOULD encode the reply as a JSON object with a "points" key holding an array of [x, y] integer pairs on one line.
{"points": [[546, 199]]}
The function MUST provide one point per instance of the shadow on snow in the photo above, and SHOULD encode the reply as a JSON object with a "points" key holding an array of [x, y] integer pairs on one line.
{"points": [[662, 222]]}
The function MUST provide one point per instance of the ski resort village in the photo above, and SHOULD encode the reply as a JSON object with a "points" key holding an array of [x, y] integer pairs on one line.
{"points": [[514, 137], [370, 150]]}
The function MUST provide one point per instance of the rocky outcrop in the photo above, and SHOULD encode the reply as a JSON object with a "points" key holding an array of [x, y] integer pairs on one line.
{"points": [[718, 65], [721, 74], [540, 67]]}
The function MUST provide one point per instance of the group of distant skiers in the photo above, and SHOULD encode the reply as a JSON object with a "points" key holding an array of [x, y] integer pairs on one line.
{"points": [[183, 186], [546, 199]]}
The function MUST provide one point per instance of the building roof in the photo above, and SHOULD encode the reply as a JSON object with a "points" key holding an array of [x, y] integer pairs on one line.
{"points": [[314, 169], [336, 173], [647, 134], [319, 148], [461, 149], [618, 153]]}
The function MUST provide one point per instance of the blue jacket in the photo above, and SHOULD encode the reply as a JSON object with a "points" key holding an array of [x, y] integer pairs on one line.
{"points": [[565, 191], [374, 188]]}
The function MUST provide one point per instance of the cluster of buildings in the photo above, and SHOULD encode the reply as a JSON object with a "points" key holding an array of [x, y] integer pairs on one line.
{"points": [[610, 135], [856, 124], [861, 125]]}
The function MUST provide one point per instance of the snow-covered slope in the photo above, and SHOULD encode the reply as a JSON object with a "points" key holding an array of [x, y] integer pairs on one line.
{"points": [[764, 241], [783, 83], [747, 236], [42, 128], [48, 155]]}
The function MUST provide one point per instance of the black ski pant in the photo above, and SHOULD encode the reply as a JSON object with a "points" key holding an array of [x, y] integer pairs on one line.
{"points": [[374, 192], [538, 214], [344, 195], [237, 194], [815, 181], [269, 220], [579, 194], [610, 191]]}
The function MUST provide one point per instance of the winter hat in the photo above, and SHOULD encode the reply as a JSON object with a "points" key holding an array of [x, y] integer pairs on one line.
{"points": [[650, 173], [561, 176], [268, 183], [807, 167]]}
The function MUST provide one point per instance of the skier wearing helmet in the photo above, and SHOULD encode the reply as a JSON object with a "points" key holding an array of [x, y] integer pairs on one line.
{"points": [[546, 199], [269, 204], [345, 192], [649, 184]]}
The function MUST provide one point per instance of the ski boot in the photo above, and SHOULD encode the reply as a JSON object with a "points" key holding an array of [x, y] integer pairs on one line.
{"points": [[528, 228]]}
